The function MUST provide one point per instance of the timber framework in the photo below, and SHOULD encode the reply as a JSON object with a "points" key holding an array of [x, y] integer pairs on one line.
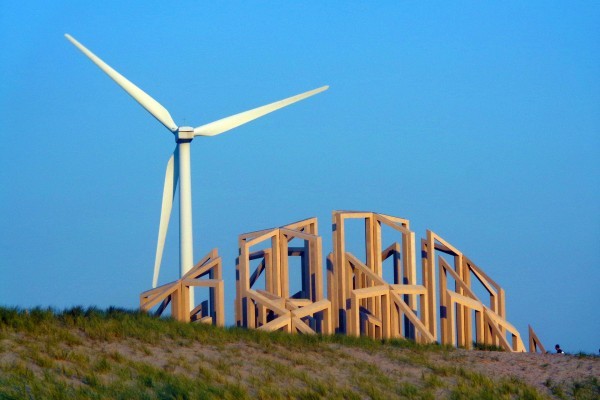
{"points": [[377, 288]]}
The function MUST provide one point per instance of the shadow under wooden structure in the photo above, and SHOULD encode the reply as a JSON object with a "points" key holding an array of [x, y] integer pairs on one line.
{"points": [[365, 303], [273, 308], [177, 294], [464, 318]]}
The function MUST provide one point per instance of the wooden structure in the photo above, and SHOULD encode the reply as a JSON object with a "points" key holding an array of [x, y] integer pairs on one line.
{"points": [[437, 303], [177, 294], [535, 345], [464, 318], [272, 307], [364, 301], [366, 304]]}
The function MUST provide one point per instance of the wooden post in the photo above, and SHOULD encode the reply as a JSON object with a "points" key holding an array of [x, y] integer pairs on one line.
{"points": [[430, 285]]}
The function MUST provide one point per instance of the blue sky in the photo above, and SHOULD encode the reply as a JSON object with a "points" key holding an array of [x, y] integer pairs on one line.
{"points": [[477, 120]]}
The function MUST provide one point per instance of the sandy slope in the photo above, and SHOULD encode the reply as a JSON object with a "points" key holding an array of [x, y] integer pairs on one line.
{"points": [[383, 370]]}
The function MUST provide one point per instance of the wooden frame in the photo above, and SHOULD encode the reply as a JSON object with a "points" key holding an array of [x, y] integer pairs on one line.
{"points": [[177, 294], [535, 345], [456, 307], [366, 304], [360, 301], [364, 301], [273, 308]]}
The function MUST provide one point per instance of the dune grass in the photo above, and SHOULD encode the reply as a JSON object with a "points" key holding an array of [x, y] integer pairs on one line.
{"points": [[116, 353]]}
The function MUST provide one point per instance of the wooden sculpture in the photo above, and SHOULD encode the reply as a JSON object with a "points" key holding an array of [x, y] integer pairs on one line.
{"points": [[364, 302], [458, 306], [443, 307], [535, 344], [367, 304], [177, 294], [273, 308]]}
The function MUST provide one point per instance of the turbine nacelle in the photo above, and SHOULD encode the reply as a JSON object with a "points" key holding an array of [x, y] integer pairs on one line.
{"points": [[184, 134]]}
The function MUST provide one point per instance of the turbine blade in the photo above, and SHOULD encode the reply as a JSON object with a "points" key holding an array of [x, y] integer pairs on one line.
{"points": [[151, 105], [171, 178], [228, 123]]}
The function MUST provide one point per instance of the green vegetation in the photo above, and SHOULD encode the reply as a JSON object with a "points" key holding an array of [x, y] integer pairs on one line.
{"points": [[584, 389], [486, 347], [120, 354]]}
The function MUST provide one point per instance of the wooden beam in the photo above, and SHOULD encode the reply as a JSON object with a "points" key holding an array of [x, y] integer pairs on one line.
{"points": [[276, 324], [408, 289], [311, 309], [535, 343]]}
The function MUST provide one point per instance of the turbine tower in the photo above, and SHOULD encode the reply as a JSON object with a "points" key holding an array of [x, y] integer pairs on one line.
{"points": [[178, 166]]}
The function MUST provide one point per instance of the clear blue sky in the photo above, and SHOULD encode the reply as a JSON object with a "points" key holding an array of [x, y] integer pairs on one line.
{"points": [[477, 120]]}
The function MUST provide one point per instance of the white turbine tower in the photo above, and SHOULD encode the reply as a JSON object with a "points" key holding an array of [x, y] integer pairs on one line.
{"points": [[178, 166]]}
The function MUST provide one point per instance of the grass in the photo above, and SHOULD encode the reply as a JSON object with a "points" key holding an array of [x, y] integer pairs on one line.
{"points": [[487, 347], [584, 389], [121, 354]]}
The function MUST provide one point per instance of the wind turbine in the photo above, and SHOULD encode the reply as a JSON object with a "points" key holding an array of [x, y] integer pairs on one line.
{"points": [[178, 166]]}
